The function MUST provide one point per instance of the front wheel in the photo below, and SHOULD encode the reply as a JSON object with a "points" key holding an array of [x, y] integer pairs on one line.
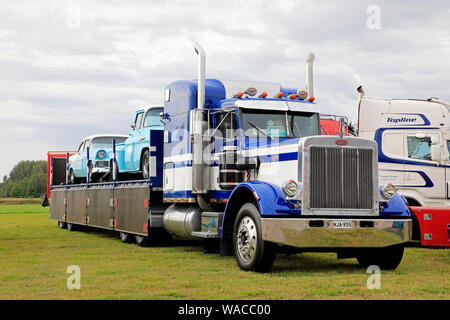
{"points": [[385, 258], [251, 251]]}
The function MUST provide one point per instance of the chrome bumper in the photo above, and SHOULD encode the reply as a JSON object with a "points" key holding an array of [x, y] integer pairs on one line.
{"points": [[364, 233], [100, 170]]}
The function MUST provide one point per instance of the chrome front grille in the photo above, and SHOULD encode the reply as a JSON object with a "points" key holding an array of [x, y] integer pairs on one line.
{"points": [[341, 178]]}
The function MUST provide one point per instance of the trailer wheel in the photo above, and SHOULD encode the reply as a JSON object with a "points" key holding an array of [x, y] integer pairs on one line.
{"points": [[125, 237], [70, 226], [145, 164], [141, 241], [251, 251], [61, 224], [385, 258]]}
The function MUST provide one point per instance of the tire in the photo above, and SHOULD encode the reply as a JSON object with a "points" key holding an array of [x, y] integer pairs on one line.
{"points": [[72, 179], [141, 241], [125, 237], [251, 251], [70, 226], [385, 258], [62, 224], [145, 164]]}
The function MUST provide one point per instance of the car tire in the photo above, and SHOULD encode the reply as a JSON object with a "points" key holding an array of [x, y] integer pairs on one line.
{"points": [[384, 258], [251, 251], [145, 164], [72, 179]]}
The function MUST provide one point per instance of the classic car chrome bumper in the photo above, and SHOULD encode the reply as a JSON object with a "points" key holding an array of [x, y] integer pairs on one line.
{"points": [[336, 233]]}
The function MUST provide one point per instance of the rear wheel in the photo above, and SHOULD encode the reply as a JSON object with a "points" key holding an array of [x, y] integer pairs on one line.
{"points": [[251, 251], [70, 226], [385, 258], [72, 179], [145, 164], [61, 224], [125, 237]]}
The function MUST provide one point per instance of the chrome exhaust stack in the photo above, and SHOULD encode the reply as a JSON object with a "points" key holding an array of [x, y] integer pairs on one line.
{"points": [[309, 74], [199, 171]]}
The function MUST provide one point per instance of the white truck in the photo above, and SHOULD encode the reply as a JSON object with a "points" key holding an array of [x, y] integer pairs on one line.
{"points": [[413, 139]]}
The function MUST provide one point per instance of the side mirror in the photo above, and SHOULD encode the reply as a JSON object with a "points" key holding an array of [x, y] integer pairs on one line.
{"points": [[435, 149], [133, 125]]}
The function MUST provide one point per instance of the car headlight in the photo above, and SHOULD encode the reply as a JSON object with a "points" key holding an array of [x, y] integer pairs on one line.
{"points": [[290, 187], [101, 154], [388, 191]]}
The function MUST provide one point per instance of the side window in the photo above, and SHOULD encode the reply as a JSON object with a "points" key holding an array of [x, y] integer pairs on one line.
{"points": [[227, 125], [153, 118], [138, 121], [419, 148]]}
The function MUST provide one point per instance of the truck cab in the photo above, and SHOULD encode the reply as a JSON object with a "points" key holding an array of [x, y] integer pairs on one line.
{"points": [[413, 139], [245, 163]]}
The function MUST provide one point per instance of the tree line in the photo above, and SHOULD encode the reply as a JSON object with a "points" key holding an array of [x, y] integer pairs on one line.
{"points": [[28, 179]]}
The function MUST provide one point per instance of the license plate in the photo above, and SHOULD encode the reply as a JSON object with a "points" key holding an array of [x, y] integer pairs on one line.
{"points": [[342, 224]]}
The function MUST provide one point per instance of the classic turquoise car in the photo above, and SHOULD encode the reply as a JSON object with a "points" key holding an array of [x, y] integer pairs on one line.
{"points": [[133, 155], [99, 146]]}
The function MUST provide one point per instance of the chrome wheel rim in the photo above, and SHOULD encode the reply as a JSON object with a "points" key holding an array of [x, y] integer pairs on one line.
{"points": [[247, 239]]}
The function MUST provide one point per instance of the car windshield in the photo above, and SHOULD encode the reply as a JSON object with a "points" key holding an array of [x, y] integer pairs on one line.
{"points": [[448, 147], [104, 142], [279, 124], [153, 118]]}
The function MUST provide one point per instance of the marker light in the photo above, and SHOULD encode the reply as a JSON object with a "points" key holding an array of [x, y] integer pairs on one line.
{"points": [[239, 94], [312, 99], [264, 94], [251, 91], [302, 94], [290, 188], [388, 191], [279, 95], [293, 96]]}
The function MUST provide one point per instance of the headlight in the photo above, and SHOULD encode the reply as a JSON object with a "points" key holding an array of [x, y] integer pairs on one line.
{"points": [[101, 154], [290, 188], [388, 191]]}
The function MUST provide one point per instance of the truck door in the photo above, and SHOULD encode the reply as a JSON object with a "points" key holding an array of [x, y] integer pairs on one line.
{"points": [[422, 174], [446, 142], [391, 166], [131, 142]]}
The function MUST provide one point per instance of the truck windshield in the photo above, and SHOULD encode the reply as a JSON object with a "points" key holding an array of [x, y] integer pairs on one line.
{"points": [[279, 124], [103, 142]]}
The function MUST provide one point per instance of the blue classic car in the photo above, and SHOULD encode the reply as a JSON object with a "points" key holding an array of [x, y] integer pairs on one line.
{"points": [[133, 156], [100, 146]]}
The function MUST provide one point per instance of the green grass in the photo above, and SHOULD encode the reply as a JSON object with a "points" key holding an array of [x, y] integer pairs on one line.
{"points": [[34, 255]]}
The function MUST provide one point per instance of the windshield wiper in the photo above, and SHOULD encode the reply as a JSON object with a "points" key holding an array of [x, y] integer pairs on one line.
{"points": [[260, 130]]}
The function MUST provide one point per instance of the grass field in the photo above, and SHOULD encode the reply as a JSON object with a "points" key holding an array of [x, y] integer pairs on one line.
{"points": [[35, 253]]}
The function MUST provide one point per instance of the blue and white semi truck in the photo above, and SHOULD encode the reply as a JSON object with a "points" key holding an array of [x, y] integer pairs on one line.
{"points": [[243, 165]]}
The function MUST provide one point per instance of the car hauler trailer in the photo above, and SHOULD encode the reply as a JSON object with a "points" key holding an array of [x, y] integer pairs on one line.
{"points": [[243, 165], [413, 139]]}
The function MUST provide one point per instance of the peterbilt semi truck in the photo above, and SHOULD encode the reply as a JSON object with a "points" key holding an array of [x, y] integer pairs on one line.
{"points": [[413, 138], [243, 166]]}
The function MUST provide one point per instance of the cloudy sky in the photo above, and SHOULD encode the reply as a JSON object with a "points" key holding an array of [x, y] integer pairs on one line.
{"points": [[73, 68]]}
